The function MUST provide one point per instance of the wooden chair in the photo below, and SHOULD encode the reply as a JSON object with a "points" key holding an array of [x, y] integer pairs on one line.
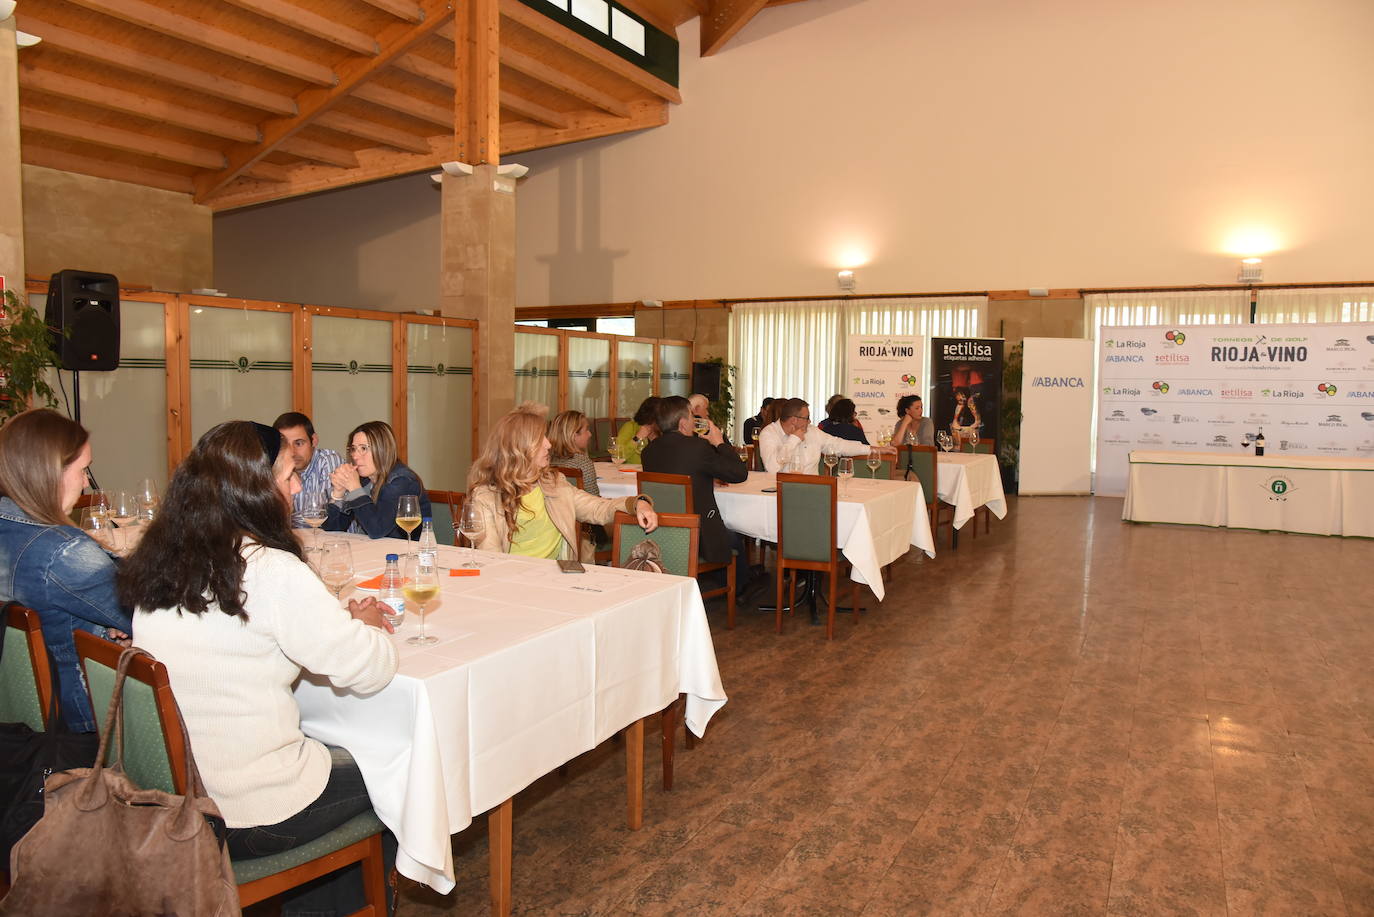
{"points": [[678, 536], [603, 431], [26, 681], [807, 539], [601, 550], [444, 507], [154, 758], [672, 493], [925, 467], [984, 447]]}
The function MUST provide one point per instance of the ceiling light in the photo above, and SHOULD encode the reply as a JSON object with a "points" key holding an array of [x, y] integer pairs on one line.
{"points": [[1251, 270], [846, 280]]}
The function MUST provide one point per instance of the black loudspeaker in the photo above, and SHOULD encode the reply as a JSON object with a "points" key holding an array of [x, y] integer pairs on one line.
{"points": [[83, 313], [706, 380]]}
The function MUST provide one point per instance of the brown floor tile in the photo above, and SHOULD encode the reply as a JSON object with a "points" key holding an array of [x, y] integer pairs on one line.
{"points": [[841, 856], [1247, 728], [1336, 764], [1052, 885]]}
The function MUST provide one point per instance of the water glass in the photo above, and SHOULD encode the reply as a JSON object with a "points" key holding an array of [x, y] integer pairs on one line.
{"points": [[846, 471], [873, 462], [314, 510], [96, 523], [472, 526], [336, 565]]}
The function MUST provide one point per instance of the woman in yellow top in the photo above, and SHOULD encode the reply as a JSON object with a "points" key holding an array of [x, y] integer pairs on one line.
{"points": [[639, 431], [529, 508]]}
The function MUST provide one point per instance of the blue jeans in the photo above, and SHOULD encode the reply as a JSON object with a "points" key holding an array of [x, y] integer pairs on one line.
{"points": [[343, 797]]}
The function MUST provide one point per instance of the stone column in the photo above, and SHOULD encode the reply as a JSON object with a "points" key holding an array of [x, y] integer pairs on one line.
{"points": [[477, 279], [11, 187]]}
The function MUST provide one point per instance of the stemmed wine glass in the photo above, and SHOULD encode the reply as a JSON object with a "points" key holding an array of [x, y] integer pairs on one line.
{"points": [[830, 458], [419, 585], [944, 440], [973, 441], [123, 510], [846, 471], [336, 565], [873, 462], [408, 516], [471, 526], [314, 510], [100, 503], [96, 523], [614, 449]]}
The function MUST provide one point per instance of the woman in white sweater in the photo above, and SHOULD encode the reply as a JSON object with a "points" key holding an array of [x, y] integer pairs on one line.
{"points": [[224, 600]]}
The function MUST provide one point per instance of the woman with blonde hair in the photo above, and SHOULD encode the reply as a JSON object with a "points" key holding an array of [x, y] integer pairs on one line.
{"points": [[527, 507], [367, 487], [569, 434]]}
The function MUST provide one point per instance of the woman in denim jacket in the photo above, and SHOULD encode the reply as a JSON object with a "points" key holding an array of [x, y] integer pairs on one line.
{"points": [[45, 562], [367, 487]]}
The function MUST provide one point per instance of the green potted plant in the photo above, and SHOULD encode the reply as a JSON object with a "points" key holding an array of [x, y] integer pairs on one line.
{"points": [[25, 356], [1009, 446]]}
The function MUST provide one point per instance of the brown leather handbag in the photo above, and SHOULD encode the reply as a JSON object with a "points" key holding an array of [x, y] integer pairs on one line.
{"points": [[104, 846]]}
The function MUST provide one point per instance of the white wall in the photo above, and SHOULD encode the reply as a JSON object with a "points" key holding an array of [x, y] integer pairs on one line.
{"points": [[985, 144]]}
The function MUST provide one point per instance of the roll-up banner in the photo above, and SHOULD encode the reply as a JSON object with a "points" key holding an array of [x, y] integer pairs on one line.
{"points": [[882, 368], [1214, 388], [966, 386], [1056, 416]]}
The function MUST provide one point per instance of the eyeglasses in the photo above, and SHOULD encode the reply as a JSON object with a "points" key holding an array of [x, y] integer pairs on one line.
{"points": [[358, 450]]}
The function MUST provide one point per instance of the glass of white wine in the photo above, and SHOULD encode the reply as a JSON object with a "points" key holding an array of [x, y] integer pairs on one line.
{"points": [[96, 523], [831, 460], [419, 585], [408, 516], [314, 510], [873, 463], [846, 471], [613, 448], [123, 510], [336, 565]]}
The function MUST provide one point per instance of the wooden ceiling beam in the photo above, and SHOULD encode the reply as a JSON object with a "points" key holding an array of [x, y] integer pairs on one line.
{"points": [[313, 24], [476, 120], [532, 111], [131, 103], [554, 78], [36, 155], [406, 104], [319, 152], [371, 130], [269, 171], [545, 27], [426, 69], [394, 40], [81, 130], [165, 22], [723, 21], [521, 136], [401, 9], [113, 55]]}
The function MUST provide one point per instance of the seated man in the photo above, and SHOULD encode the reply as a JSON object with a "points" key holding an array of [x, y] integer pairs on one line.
{"points": [[793, 444], [706, 460], [313, 464], [701, 409]]}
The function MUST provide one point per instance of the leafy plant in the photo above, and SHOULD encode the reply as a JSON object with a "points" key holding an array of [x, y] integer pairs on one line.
{"points": [[25, 354], [723, 411], [1009, 446]]}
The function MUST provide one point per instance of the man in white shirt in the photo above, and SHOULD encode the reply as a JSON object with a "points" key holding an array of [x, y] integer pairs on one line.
{"points": [[793, 444]]}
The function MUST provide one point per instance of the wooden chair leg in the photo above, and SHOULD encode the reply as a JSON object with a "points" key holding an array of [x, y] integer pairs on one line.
{"points": [[668, 722], [374, 876], [830, 616], [730, 594], [777, 601]]}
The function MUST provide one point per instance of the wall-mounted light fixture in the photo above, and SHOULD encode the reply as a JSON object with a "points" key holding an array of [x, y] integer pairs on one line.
{"points": [[1251, 270], [846, 280]]}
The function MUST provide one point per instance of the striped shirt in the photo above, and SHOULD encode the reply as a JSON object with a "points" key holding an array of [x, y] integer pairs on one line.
{"points": [[315, 477]]}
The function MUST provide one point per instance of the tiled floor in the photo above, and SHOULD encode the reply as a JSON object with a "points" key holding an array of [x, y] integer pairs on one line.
{"points": [[1071, 716]]}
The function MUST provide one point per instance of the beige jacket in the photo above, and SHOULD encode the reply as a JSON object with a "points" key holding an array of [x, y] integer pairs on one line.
{"points": [[566, 505]]}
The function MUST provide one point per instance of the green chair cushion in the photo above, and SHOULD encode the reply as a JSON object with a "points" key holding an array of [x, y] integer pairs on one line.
{"points": [[668, 498], [18, 691], [806, 525], [442, 517], [923, 464], [673, 541], [145, 748], [983, 448], [350, 832]]}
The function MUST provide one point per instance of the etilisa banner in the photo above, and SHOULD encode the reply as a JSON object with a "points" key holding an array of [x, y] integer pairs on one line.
{"points": [[882, 369], [966, 386], [1214, 388]]}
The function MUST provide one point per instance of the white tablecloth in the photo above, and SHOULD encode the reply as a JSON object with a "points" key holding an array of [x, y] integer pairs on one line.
{"points": [[967, 481], [1316, 495], [878, 520], [533, 667]]}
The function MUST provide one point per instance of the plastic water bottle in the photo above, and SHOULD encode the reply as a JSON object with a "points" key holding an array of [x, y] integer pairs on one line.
{"points": [[393, 602], [429, 546]]}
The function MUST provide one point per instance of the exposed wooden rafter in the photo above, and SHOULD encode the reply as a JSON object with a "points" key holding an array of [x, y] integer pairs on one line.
{"points": [[303, 20], [371, 130], [118, 139], [394, 99], [723, 21], [38, 155], [408, 10], [319, 152], [532, 111], [551, 76], [427, 69]]}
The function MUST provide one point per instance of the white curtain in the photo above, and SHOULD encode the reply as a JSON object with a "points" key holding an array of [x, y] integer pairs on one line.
{"points": [[797, 349], [1315, 304], [1169, 307]]}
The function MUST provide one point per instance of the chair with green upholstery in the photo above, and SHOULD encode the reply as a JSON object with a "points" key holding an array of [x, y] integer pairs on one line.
{"points": [[925, 467], [807, 540], [986, 447], [25, 679], [444, 514], [677, 537], [603, 431], [154, 758], [672, 493]]}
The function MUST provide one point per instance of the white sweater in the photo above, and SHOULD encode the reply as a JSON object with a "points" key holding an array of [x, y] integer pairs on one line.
{"points": [[232, 679]]}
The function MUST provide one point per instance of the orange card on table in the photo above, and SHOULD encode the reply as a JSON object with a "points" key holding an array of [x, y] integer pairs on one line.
{"points": [[373, 583], [464, 571]]}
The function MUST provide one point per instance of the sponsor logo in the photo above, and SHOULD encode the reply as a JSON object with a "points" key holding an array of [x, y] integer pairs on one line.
{"points": [[1257, 353], [1238, 394], [1341, 345], [1175, 337], [1281, 393], [1359, 394], [1148, 412], [1125, 358], [1369, 338], [890, 348], [1112, 390], [1326, 388], [1117, 342], [1196, 391], [1184, 418], [1368, 415], [1279, 487], [242, 365], [1183, 442], [1116, 415], [1291, 445], [1171, 359], [1332, 420], [1150, 439], [1116, 439], [1257, 417], [1290, 422], [860, 380], [1161, 387], [1220, 441], [908, 380], [1057, 382], [966, 350]]}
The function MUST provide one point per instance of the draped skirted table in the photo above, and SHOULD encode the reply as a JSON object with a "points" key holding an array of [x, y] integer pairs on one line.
{"points": [[878, 520], [1311, 495], [967, 481], [533, 667]]}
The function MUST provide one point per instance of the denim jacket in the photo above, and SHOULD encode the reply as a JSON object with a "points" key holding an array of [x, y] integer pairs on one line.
{"points": [[357, 512], [59, 572]]}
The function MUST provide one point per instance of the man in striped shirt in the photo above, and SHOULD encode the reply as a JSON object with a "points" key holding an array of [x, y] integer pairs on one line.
{"points": [[313, 464]]}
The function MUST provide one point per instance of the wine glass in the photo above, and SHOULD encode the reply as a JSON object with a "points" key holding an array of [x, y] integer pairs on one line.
{"points": [[336, 565], [96, 523], [846, 471], [614, 449], [873, 462], [146, 492], [973, 441], [471, 526], [100, 502], [419, 585], [830, 458], [122, 510], [314, 510], [408, 515], [754, 435], [701, 425]]}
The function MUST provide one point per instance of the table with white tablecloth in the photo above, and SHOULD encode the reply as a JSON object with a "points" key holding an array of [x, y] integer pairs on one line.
{"points": [[1314, 495], [877, 520], [533, 667], [967, 481]]}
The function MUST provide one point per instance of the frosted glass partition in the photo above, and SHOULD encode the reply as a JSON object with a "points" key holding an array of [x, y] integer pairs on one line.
{"points": [[536, 369], [589, 385], [240, 365], [439, 404], [125, 410], [675, 373], [350, 373], [635, 369]]}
